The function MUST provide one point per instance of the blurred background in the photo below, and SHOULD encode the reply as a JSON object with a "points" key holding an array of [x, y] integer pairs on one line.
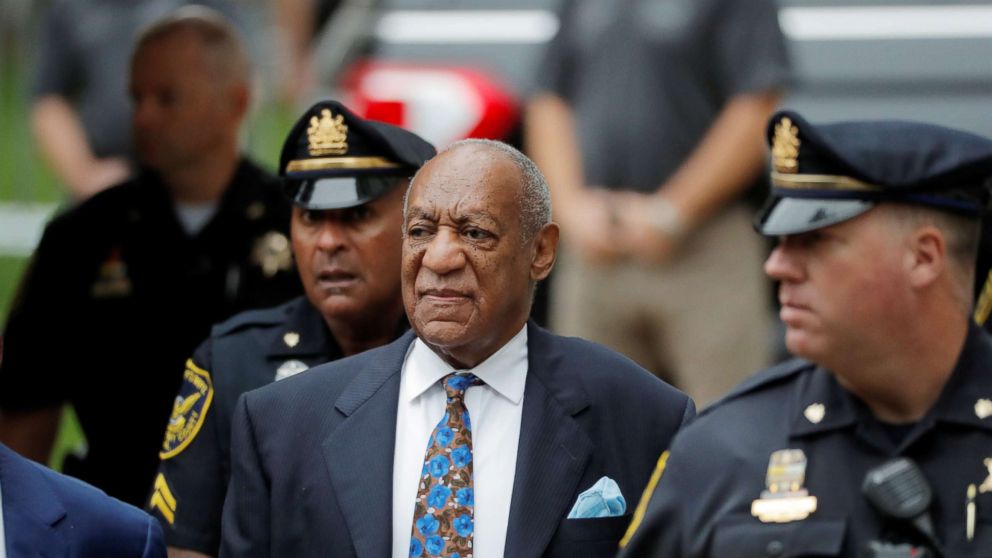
{"points": [[450, 69]]}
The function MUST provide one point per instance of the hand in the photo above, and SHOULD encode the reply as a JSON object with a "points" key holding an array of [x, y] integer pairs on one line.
{"points": [[589, 224], [650, 227]]}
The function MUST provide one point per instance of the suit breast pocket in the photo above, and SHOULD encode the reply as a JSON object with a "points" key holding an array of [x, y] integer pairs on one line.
{"points": [[741, 536], [595, 529], [588, 538]]}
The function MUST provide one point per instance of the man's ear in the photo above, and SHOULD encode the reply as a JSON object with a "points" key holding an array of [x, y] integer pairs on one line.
{"points": [[926, 256], [545, 252]]}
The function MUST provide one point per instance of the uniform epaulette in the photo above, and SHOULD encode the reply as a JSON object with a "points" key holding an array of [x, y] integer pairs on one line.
{"points": [[762, 379], [252, 318]]}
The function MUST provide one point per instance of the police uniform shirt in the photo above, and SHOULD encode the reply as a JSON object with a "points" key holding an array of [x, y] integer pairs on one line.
{"points": [[719, 465], [248, 351], [117, 297]]}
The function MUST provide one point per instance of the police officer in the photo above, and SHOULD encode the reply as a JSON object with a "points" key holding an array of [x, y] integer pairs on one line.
{"points": [[123, 287], [877, 441], [347, 177]]}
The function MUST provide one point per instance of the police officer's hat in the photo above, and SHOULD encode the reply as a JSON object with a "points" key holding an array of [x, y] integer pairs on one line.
{"points": [[825, 174], [334, 159]]}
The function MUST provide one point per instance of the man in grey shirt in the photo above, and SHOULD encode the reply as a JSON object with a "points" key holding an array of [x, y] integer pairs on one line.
{"points": [[648, 124]]}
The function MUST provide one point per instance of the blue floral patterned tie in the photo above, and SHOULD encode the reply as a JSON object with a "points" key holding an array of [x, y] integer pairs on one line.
{"points": [[443, 518]]}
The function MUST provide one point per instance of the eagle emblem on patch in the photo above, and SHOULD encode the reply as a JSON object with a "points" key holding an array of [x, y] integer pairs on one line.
{"points": [[188, 411]]}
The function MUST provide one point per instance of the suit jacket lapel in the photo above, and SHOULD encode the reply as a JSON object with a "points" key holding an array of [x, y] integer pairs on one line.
{"points": [[32, 511], [359, 453], [553, 449]]}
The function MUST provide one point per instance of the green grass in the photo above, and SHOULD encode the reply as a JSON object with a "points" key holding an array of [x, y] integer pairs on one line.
{"points": [[11, 268], [23, 175], [70, 439]]}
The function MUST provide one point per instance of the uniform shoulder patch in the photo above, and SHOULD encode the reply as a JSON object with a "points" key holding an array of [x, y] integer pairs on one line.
{"points": [[188, 411]]}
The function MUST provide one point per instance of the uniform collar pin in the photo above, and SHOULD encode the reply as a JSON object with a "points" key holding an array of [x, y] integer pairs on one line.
{"points": [[983, 408], [986, 485], [291, 338], [815, 412]]}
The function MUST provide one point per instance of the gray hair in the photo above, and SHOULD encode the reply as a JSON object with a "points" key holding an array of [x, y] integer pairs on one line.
{"points": [[535, 198], [221, 41], [961, 233]]}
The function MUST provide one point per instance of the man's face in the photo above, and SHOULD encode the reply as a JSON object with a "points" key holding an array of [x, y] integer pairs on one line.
{"points": [[182, 110], [467, 272], [843, 288], [349, 259]]}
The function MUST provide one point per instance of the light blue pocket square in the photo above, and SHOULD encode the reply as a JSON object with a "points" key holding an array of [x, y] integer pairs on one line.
{"points": [[603, 499]]}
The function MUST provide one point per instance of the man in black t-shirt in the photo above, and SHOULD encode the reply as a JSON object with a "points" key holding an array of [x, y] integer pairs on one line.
{"points": [[123, 286]]}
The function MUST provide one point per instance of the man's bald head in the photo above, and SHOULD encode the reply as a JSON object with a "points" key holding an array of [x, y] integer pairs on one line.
{"points": [[223, 47]]}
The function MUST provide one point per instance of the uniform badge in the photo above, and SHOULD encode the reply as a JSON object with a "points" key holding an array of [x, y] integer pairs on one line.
{"points": [[163, 501], [112, 280], [785, 499], [986, 485], [272, 253], [290, 368], [188, 410], [328, 135], [983, 408]]}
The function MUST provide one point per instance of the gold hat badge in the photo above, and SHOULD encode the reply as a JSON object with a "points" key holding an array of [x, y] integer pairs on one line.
{"points": [[785, 146], [328, 134]]}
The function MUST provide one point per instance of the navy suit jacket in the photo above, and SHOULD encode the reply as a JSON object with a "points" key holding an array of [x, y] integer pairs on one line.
{"points": [[49, 514], [312, 455]]}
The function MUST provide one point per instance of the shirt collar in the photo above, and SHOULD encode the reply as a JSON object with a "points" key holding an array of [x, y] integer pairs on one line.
{"points": [[822, 404], [505, 371], [966, 398]]}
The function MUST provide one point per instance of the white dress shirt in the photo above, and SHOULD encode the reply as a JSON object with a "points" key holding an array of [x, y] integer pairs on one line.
{"points": [[495, 410]]}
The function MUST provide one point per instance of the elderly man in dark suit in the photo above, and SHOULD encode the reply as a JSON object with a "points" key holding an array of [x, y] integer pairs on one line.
{"points": [[534, 442]]}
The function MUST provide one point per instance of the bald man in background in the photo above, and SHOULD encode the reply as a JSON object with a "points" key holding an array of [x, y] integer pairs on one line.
{"points": [[123, 287]]}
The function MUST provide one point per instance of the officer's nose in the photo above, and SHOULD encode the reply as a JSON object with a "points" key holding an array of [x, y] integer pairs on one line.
{"points": [[332, 235], [444, 253], [784, 264]]}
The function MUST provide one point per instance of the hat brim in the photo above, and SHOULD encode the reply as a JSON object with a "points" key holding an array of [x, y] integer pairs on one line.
{"points": [[784, 216], [339, 192]]}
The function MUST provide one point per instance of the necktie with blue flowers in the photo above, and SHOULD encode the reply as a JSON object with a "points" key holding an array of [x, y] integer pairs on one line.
{"points": [[443, 518]]}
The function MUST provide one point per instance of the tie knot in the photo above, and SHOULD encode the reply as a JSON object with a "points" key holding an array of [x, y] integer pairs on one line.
{"points": [[455, 384]]}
